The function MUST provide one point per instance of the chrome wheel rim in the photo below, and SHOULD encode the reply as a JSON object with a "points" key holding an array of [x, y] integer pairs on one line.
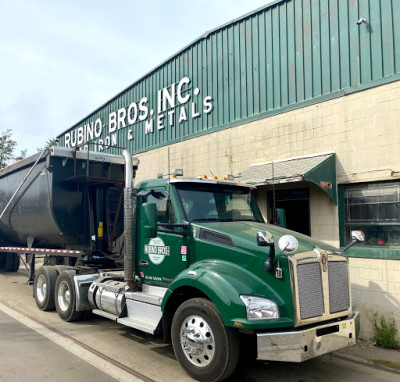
{"points": [[41, 288], [197, 341], [63, 296]]}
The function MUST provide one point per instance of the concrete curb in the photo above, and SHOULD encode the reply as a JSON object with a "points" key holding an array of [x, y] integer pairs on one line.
{"points": [[364, 361]]}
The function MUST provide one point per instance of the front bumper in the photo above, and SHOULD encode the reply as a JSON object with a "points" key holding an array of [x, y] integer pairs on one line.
{"points": [[305, 344]]}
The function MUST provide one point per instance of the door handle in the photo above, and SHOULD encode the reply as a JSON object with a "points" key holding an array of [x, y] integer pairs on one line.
{"points": [[143, 263]]}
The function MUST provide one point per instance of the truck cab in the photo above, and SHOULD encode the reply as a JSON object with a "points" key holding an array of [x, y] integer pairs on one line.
{"points": [[204, 242]]}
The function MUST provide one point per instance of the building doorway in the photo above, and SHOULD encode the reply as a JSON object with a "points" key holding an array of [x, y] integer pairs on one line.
{"points": [[296, 206]]}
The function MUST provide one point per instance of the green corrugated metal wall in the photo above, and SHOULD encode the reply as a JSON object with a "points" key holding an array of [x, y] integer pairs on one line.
{"points": [[282, 56]]}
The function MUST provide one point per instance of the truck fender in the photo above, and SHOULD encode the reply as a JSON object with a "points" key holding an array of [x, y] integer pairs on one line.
{"points": [[223, 283]]}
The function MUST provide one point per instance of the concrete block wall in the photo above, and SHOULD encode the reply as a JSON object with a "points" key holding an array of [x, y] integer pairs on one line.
{"points": [[324, 217], [375, 290]]}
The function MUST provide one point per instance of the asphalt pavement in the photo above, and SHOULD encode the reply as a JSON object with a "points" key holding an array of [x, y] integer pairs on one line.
{"points": [[38, 346], [26, 355]]}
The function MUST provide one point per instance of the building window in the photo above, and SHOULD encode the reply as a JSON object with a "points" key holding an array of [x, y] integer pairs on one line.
{"points": [[375, 209]]}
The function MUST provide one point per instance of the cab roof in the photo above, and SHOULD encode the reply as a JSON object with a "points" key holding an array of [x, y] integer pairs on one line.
{"points": [[163, 181]]}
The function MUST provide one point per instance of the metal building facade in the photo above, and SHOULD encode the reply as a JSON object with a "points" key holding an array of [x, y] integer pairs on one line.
{"points": [[286, 55]]}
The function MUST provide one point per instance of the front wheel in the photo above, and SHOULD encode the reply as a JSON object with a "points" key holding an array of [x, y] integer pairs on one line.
{"points": [[205, 347], [65, 297]]}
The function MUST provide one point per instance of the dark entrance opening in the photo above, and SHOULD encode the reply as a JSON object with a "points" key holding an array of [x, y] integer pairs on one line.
{"points": [[296, 204]]}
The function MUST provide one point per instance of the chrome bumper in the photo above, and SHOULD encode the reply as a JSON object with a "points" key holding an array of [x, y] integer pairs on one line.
{"points": [[305, 344]]}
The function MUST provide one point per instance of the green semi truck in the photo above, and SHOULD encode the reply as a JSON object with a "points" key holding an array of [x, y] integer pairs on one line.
{"points": [[193, 262]]}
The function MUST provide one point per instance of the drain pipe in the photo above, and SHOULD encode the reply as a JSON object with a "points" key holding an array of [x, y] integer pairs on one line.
{"points": [[129, 224]]}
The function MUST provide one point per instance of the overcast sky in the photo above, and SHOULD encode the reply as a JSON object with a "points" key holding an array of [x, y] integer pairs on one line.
{"points": [[60, 60]]}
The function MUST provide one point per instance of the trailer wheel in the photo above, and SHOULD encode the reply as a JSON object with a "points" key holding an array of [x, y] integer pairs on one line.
{"points": [[44, 286], [2, 262], [204, 346], [11, 262], [65, 297]]}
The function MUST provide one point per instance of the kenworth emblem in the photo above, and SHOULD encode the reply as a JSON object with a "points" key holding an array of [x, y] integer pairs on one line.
{"points": [[324, 261]]}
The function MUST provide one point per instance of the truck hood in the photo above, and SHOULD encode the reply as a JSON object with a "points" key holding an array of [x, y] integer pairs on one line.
{"points": [[244, 235]]}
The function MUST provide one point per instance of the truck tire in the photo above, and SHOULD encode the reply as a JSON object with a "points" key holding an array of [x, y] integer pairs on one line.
{"points": [[60, 268], [204, 346], [65, 297], [11, 262], [43, 288], [2, 261]]}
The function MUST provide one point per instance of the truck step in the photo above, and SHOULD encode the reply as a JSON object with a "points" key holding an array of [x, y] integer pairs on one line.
{"points": [[142, 316], [102, 313], [137, 324]]}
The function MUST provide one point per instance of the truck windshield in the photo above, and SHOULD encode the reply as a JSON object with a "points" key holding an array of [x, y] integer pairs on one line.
{"points": [[217, 203]]}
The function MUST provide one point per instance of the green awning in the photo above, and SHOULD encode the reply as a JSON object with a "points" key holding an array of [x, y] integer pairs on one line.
{"points": [[319, 169]]}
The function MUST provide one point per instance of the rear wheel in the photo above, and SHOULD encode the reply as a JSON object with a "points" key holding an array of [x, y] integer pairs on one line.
{"points": [[60, 268], [205, 347], [44, 286], [65, 297]]}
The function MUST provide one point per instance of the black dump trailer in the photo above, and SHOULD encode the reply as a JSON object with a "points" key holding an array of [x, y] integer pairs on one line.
{"points": [[67, 200]]}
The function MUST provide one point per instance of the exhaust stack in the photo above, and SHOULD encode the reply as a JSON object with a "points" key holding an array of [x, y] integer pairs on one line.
{"points": [[129, 224]]}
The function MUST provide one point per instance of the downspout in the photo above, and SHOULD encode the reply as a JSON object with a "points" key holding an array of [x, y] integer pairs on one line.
{"points": [[129, 224]]}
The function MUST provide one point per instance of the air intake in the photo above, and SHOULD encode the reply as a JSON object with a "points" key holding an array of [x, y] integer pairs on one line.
{"points": [[215, 237]]}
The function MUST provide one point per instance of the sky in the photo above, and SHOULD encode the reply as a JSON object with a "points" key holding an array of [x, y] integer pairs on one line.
{"points": [[60, 60]]}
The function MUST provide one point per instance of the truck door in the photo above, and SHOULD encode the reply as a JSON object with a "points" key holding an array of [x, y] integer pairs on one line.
{"points": [[163, 257]]}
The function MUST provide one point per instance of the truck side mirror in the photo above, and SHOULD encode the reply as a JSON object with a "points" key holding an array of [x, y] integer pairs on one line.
{"points": [[356, 237], [265, 239], [149, 220]]}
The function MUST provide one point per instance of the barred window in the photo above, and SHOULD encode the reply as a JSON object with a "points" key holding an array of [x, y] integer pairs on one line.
{"points": [[375, 209]]}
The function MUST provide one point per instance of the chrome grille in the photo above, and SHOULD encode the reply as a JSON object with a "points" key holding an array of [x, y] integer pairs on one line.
{"points": [[320, 285], [310, 290], [339, 298]]}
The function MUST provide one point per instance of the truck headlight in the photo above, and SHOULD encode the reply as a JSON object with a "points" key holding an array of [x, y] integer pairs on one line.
{"points": [[260, 308]]}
